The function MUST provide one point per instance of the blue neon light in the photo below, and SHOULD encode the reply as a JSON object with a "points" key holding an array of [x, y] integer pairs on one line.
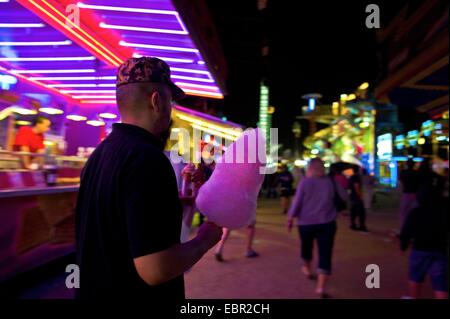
{"points": [[311, 104]]}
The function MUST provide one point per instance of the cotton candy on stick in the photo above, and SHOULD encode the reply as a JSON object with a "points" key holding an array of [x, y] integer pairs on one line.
{"points": [[229, 197]]}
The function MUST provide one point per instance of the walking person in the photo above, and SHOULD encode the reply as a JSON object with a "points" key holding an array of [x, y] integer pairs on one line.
{"points": [[426, 228], [249, 251], [357, 209], [409, 179], [315, 210], [207, 170], [368, 183], [285, 179]]}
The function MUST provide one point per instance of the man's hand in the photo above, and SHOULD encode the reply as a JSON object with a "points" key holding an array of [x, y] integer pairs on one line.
{"points": [[198, 177], [157, 268], [187, 200], [209, 234], [193, 174], [290, 223]]}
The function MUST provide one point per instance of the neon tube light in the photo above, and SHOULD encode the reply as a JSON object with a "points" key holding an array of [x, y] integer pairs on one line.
{"points": [[204, 93], [113, 59], [79, 85], [190, 119], [94, 97], [157, 47], [36, 43], [69, 85], [136, 10], [99, 102], [124, 9], [22, 25], [167, 59], [214, 132], [70, 29], [70, 78], [190, 78], [88, 91], [191, 71], [141, 29], [53, 71], [39, 59], [37, 83], [198, 86]]}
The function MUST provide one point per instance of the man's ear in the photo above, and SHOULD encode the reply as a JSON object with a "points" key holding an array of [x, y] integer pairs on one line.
{"points": [[154, 101]]}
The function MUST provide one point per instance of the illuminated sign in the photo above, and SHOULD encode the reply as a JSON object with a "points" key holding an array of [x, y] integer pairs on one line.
{"points": [[311, 104], [264, 116], [384, 146], [427, 127], [6, 81], [412, 137], [399, 142]]}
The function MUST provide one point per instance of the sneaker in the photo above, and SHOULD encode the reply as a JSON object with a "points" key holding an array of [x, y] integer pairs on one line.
{"points": [[323, 294], [219, 257], [308, 274], [363, 229], [251, 254]]}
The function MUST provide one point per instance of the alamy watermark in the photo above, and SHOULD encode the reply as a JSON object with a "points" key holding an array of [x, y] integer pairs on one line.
{"points": [[373, 19], [73, 277], [73, 16], [373, 277]]}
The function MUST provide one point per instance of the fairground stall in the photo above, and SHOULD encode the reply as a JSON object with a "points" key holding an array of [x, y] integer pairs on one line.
{"points": [[350, 132], [59, 60]]}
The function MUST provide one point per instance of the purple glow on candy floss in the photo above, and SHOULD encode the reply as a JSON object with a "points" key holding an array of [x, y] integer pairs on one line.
{"points": [[229, 197]]}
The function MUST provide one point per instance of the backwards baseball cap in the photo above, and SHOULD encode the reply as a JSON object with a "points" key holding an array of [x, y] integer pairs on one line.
{"points": [[147, 70]]}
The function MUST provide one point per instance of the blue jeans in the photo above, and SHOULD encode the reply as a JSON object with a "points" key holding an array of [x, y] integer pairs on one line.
{"points": [[324, 234], [434, 264]]}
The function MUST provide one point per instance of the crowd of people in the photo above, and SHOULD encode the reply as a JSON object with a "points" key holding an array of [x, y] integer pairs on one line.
{"points": [[318, 198]]}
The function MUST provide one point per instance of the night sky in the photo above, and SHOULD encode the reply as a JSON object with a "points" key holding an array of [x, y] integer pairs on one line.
{"points": [[315, 46]]}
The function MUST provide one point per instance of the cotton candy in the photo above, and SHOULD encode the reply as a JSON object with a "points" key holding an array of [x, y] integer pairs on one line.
{"points": [[229, 197]]}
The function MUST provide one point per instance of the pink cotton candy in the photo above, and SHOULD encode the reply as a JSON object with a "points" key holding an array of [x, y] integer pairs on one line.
{"points": [[229, 197]]}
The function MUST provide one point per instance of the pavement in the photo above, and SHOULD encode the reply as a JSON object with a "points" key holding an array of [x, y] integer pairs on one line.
{"points": [[276, 273]]}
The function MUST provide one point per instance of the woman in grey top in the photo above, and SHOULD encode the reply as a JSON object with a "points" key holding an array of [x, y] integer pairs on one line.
{"points": [[314, 208]]}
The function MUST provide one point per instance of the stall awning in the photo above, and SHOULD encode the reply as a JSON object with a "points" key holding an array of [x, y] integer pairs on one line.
{"points": [[208, 123], [73, 50]]}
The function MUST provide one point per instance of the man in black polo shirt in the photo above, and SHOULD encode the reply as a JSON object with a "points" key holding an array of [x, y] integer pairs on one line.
{"points": [[128, 211]]}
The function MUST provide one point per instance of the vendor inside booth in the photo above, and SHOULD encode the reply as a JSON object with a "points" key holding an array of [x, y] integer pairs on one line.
{"points": [[30, 139]]}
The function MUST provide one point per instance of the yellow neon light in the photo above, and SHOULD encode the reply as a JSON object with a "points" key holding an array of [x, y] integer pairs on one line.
{"points": [[364, 86], [214, 132], [190, 119]]}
